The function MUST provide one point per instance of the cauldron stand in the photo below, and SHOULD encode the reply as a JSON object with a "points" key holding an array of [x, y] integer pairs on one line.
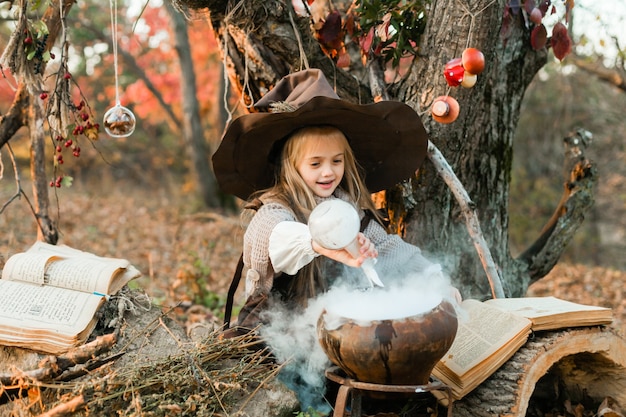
{"points": [[354, 389]]}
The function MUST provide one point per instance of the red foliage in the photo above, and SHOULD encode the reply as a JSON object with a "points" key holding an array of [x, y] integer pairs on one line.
{"points": [[538, 37], [561, 42], [331, 34]]}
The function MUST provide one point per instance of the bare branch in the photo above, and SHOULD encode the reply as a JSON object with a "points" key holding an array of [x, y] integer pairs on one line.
{"points": [[16, 174], [576, 200], [611, 76], [16, 117]]}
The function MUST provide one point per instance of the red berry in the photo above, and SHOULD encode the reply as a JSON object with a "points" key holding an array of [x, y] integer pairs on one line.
{"points": [[59, 138], [59, 149], [52, 56], [84, 116], [67, 76], [51, 183], [68, 143], [28, 40], [43, 96]]}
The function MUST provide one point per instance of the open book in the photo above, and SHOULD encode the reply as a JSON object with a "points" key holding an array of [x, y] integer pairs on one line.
{"points": [[490, 332], [49, 295]]}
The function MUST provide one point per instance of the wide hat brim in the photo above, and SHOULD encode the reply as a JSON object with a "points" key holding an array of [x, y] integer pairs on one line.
{"points": [[388, 140]]}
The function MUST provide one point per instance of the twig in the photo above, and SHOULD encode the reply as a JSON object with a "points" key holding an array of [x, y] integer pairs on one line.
{"points": [[66, 408], [196, 369], [18, 181], [469, 212], [53, 366]]}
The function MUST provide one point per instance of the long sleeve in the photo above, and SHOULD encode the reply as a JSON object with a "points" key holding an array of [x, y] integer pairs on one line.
{"points": [[290, 247], [274, 242]]}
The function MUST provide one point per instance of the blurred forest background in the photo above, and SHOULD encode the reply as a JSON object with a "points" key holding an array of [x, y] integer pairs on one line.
{"points": [[138, 198]]}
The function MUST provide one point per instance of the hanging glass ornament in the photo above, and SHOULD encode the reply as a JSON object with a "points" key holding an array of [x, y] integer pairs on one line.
{"points": [[119, 121]]}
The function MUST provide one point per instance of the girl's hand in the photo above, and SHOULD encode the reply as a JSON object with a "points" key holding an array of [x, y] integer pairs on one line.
{"points": [[366, 250], [366, 247]]}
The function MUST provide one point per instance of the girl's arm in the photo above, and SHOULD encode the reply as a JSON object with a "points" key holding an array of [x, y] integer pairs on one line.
{"points": [[291, 247]]}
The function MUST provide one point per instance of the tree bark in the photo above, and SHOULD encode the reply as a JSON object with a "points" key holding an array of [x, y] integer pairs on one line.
{"points": [[47, 230]]}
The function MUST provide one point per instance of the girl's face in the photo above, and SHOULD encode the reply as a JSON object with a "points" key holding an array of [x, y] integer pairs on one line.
{"points": [[321, 165]]}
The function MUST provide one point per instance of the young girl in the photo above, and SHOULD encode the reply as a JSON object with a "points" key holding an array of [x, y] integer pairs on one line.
{"points": [[286, 163]]}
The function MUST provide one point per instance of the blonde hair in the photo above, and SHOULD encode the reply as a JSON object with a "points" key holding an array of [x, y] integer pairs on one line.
{"points": [[291, 190]]}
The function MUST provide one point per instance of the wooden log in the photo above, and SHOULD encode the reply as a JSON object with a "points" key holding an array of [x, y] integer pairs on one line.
{"points": [[588, 362]]}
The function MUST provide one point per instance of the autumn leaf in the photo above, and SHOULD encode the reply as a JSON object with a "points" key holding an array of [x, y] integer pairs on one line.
{"points": [[538, 37], [367, 40], [561, 42], [343, 59], [330, 33]]}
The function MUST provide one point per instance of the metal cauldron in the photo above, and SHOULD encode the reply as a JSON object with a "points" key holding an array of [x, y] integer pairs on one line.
{"points": [[390, 351]]}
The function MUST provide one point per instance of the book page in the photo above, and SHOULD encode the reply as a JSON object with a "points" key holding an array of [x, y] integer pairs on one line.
{"points": [[481, 334], [540, 306], [27, 306], [29, 268], [65, 267], [88, 275]]}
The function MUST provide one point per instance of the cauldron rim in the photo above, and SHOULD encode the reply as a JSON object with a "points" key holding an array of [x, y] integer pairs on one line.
{"points": [[434, 303], [367, 323]]}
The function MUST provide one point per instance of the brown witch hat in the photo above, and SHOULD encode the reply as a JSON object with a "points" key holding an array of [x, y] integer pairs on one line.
{"points": [[388, 138]]}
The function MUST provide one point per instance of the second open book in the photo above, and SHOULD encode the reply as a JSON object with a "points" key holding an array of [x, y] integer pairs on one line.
{"points": [[490, 332]]}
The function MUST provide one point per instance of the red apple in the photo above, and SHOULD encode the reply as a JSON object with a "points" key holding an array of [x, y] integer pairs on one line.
{"points": [[473, 61]]}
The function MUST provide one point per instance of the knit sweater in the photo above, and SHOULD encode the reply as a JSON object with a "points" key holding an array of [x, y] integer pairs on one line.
{"points": [[276, 242]]}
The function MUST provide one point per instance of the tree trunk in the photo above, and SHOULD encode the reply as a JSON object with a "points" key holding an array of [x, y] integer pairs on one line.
{"points": [[551, 367], [263, 42], [478, 145], [47, 230], [203, 176]]}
